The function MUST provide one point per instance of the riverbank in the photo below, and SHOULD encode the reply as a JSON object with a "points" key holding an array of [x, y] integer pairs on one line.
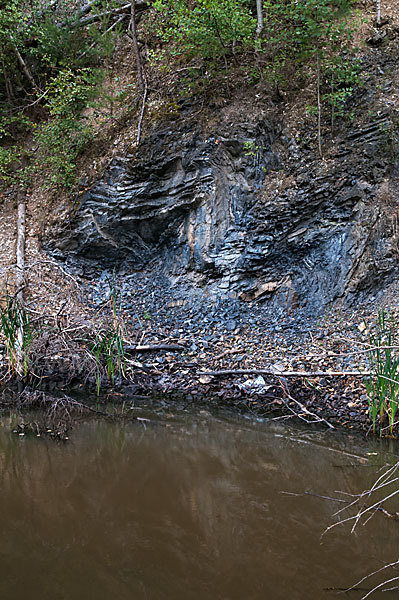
{"points": [[218, 352]]}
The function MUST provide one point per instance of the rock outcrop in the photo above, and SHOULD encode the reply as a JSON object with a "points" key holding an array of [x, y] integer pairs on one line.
{"points": [[250, 212]]}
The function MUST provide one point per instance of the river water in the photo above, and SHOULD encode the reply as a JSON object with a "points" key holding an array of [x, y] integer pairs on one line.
{"points": [[189, 509]]}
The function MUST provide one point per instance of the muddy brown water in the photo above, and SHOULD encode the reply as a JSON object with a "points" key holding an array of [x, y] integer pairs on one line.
{"points": [[189, 509]]}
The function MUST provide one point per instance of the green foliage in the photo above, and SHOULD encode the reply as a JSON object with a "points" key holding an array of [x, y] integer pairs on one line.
{"points": [[62, 138], [60, 46], [294, 33], [251, 148], [12, 124], [109, 354], [48, 65], [9, 159], [208, 28], [390, 138], [340, 76], [33, 29], [59, 140], [108, 348], [47, 61], [383, 383], [13, 318], [11, 155]]}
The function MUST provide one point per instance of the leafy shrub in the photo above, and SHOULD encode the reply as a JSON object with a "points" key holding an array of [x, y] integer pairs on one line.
{"points": [[11, 155], [209, 28], [9, 158], [341, 76], [64, 136]]}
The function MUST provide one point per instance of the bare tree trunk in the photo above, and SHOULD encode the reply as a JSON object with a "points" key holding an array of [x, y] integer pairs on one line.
{"points": [[259, 13], [20, 283], [141, 76], [140, 123], [25, 69], [139, 64], [318, 104], [378, 19]]}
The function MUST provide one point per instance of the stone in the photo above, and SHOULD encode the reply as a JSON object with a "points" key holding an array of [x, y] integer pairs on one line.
{"points": [[203, 217]]}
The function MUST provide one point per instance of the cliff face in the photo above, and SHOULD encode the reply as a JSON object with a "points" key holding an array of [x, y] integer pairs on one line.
{"points": [[249, 211]]}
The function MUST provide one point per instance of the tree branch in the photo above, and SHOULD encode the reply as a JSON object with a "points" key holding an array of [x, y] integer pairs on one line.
{"points": [[277, 373]]}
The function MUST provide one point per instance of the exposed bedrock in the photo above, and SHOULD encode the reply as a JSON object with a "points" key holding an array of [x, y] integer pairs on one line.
{"points": [[248, 212]]}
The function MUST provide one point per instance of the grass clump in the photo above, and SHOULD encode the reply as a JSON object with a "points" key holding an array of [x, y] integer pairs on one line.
{"points": [[17, 332], [383, 382], [108, 348], [109, 354]]}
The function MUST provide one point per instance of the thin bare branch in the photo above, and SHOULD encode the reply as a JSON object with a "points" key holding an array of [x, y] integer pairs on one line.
{"points": [[355, 585]]}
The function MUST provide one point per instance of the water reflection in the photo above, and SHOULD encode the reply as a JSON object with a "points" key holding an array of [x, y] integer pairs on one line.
{"points": [[189, 511]]}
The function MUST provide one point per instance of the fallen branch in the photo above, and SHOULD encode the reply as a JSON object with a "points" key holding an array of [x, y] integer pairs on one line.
{"points": [[316, 418], [354, 352], [378, 509], [305, 411], [386, 479], [389, 566], [315, 495], [26, 69], [139, 64], [153, 348], [277, 373], [97, 17], [227, 352]]}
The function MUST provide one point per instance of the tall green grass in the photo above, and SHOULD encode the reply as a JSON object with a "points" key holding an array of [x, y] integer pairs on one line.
{"points": [[109, 354], [108, 348], [382, 385], [15, 320]]}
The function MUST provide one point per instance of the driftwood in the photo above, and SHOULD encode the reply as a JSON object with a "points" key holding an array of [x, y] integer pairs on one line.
{"points": [[277, 373], [304, 413], [364, 512], [153, 347]]}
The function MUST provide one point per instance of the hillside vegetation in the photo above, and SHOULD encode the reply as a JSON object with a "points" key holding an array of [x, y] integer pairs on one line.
{"points": [[68, 81]]}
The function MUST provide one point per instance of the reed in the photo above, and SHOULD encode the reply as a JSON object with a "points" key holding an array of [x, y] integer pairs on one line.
{"points": [[108, 348], [14, 319], [383, 383], [109, 354]]}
